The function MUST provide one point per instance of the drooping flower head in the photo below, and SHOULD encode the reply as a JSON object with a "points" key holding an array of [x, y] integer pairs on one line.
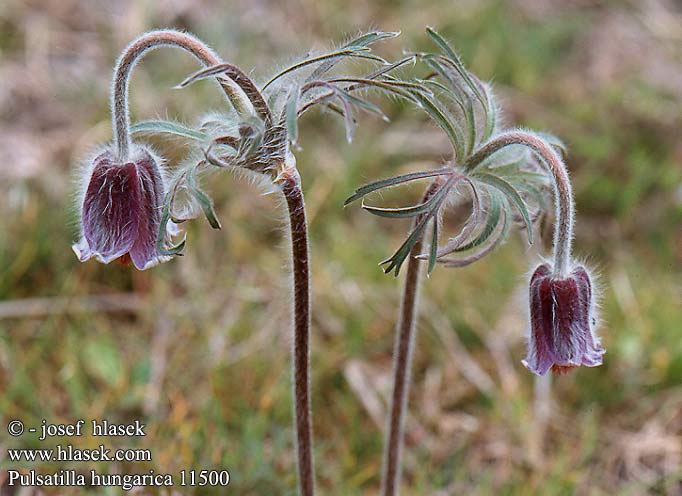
{"points": [[505, 170], [121, 210], [123, 194], [562, 322]]}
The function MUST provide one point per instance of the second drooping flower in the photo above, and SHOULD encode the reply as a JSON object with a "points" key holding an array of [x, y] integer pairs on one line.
{"points": [[507, 172]]}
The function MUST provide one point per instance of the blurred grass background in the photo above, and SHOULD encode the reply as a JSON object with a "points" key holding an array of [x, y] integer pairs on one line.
{"points": [[198, 348]]}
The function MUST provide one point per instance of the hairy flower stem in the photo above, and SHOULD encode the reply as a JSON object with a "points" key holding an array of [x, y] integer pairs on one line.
{"points": [[563, 195], [402, 363], [128, 59], [291, 187]]}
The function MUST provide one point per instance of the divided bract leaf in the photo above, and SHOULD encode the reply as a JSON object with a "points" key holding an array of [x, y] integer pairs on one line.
{"points": [[446, 123], [165, 218], [361, 41], [395, 262], [359, 52], [392, 181], [482, 250], [168, 127], [204, 201], [457, 64], [492, 220], [433, 249], [291, 114], [403, 212], [512, 194]]}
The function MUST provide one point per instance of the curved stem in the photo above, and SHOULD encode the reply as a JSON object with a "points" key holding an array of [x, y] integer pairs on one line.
{"points": [[563, 194], [291, 187], [128, 59], [402, 363]]}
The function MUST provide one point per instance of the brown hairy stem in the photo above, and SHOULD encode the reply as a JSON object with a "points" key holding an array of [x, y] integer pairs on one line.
{"points": [[402, 363], [126, 62], [291, 187]]}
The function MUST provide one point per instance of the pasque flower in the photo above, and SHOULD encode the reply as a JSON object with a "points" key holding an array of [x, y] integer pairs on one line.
{"points": [[561, 295], [562, 320], [121, 210], [506, 182], [123, 194], [127, 206]]}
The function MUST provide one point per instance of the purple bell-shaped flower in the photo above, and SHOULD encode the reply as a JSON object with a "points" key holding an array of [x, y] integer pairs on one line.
{"points": [[562, 321], [121, 210]]}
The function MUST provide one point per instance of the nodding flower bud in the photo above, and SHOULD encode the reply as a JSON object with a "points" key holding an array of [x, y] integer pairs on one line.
{"points": [[562, 320], [121, 210]]}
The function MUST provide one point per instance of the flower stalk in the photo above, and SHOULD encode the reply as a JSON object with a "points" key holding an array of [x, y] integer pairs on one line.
{"points": [[131, 55], [508, 173], [402, 362], [290, 183]]}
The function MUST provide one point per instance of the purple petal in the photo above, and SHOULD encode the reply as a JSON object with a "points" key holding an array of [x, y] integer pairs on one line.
{"points": [[540, 355], [82, 250], [110, 208], [144, 252], [571, 324]]}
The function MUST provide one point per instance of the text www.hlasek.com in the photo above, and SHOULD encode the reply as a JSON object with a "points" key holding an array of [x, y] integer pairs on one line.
{"points": [[70, 454]]}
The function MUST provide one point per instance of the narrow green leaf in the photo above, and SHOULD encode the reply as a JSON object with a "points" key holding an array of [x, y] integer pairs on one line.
{"points": [[492, 220], [165, 218], [392, 181], [471, 124], [371, 38], [399, 213], [456, 62], [452, 88], [204, 73], [355, 52], [532, 191], [482, 250], [348, 119], [395, 262], [204, 201], [433, 249], [361, 41], [403, 212], [449, 125], [167, 127], [362, 104], [513, 195], [460, 98], [398, 258], [508, 167], [390, 67], [292, 114], [491, 116], [469, 225], [399, 88]]}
